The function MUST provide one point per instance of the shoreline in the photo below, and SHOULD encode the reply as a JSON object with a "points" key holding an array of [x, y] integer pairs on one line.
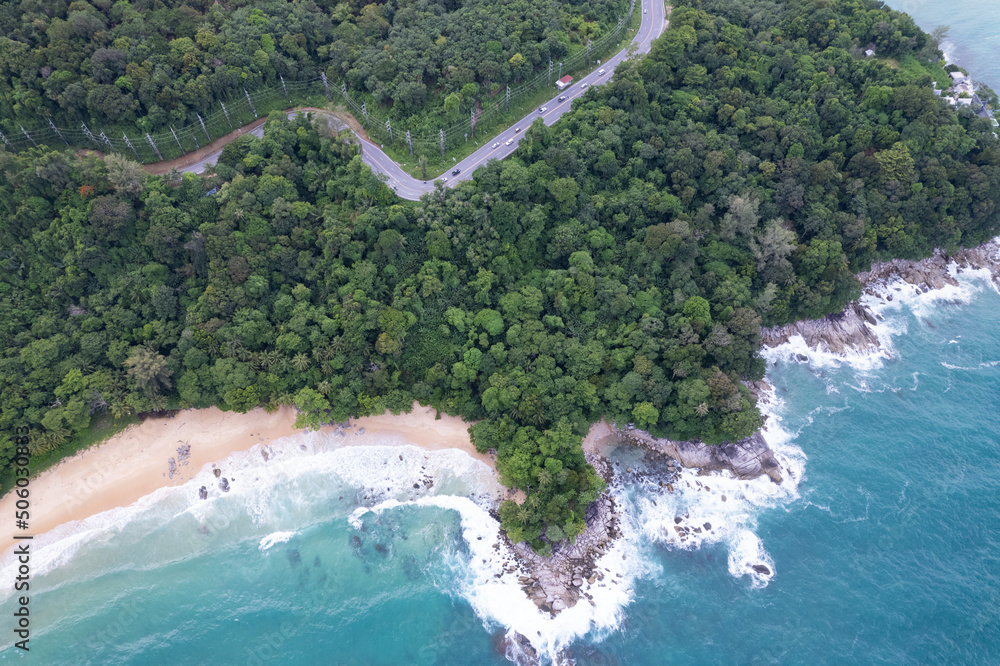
{"points": [[136, 462], [852, 330]]}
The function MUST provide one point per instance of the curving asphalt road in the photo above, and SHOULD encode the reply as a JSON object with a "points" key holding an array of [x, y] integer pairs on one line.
{"points": [[654, 21]]}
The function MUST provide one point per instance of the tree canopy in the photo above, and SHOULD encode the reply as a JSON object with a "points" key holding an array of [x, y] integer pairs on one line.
{"points": [[620, 264]]}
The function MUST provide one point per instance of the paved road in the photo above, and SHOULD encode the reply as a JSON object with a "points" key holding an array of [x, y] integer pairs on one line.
{"points": [[654, 21]]}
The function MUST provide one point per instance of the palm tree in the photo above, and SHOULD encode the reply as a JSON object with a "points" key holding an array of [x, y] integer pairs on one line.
{"points": [[523, 514], [701, 409], [324, 387], [148, 369], [300, 362], [158, 402], [269, 359], [120, 409], [544, 477]]}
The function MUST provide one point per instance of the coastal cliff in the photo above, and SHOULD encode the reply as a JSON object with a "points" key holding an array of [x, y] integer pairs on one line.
{"points": [[851, 330]]}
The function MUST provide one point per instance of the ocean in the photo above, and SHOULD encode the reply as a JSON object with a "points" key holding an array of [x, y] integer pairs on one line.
{"points": [[973, 36], [882, 544]]}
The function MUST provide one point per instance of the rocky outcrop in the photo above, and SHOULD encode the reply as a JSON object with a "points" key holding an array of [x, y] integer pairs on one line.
{"points": [[745, 459], [838, 333], [850, 330], [933, 272], [559, 581]]}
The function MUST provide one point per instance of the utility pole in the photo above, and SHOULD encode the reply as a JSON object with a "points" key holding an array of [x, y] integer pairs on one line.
{"points": [[472, 122], [508, 97], [129, 144], [155, 149], [550, 71], [343, 91], [86, 130], [560, 70], [56, 130], [588, 51], [176, 139], [284, 88], [364, 110], [227, 114], [6, 141], [442, 144], [108, 141], [250, 103], [25, 132], [203, 127], [326, 85], [409, 142], [388, 128]]}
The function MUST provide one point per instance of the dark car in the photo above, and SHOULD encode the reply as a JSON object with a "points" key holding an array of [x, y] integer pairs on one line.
{"points": [[455, 172]]}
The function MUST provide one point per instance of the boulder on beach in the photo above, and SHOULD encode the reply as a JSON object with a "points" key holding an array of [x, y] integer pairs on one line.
{"points": [[203, 493], [224, 485]]}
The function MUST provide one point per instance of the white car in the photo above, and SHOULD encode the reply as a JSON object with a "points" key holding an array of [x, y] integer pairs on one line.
{"points": [[508, 142], [583, 86], [496, 145], [600, 72], [643, 11], [543, 109]]}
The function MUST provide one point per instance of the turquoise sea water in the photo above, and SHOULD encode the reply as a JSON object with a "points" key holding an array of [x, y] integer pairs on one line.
{"points": [[973, 36], [882, 544]]}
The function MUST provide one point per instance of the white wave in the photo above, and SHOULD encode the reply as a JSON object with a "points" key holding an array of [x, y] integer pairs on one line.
{"points": [[265, 497], [274, 538], [718, 508], [893, 319], [488, 580], [981, 366], [747, 557]]}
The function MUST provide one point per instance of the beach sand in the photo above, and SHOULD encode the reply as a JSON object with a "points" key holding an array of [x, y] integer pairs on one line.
{"points": [[134, 463]]}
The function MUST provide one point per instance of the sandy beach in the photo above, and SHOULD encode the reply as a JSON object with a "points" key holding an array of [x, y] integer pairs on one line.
{"points": [[134, 463]]}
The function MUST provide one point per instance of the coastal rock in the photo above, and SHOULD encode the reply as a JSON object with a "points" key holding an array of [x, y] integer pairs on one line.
{"points": [[746, 459], [516, 648], [203, 493], [217, 472], [224, 485], [838, 333], [850, 329], [761, 569]]}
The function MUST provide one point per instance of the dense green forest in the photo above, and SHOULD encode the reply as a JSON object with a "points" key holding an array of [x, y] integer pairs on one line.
{"points": [[159, 62], [620, 264]]}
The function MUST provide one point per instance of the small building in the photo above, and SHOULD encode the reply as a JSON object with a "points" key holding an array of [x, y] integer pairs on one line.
{"points": [[564, 82], [870, 50], [958, 77]]}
